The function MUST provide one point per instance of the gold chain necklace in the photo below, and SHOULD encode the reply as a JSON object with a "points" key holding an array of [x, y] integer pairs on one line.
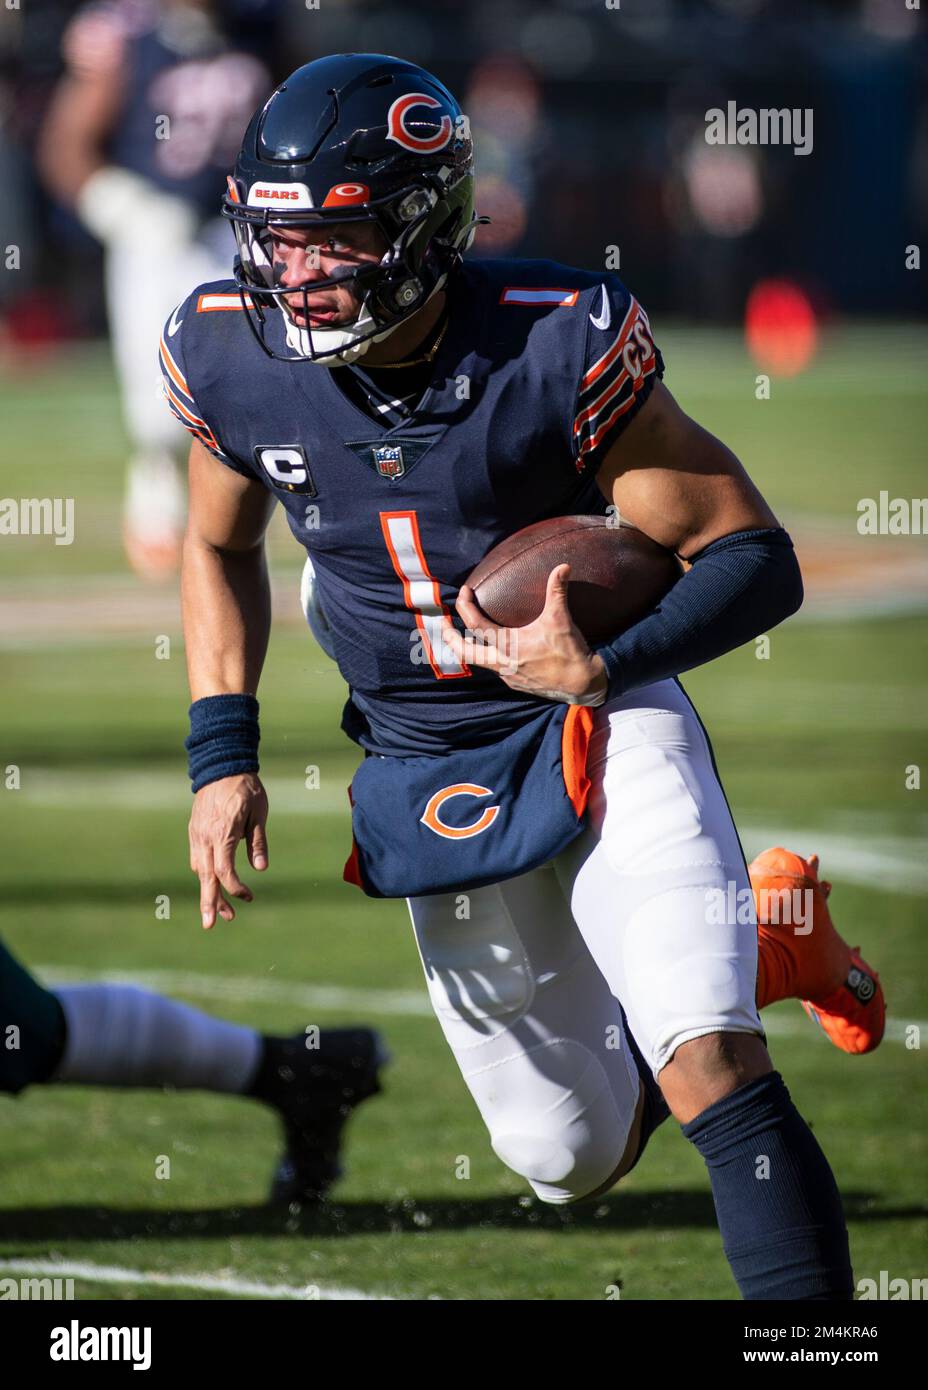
{"points": [[413, 361]]}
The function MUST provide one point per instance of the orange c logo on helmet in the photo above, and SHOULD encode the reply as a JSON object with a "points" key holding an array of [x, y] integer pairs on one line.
{"points": [[396, 125], [431, 818]]}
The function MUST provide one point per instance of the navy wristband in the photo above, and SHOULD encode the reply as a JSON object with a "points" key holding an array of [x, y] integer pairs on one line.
{"points": [[223, 738]]}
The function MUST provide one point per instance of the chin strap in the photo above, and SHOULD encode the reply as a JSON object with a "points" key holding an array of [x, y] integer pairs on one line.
{"points": [[340, 345], [342, 349]]}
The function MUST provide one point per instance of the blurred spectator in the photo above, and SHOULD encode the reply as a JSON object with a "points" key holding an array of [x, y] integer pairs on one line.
{"points": [[589, 125], [140, 133]]}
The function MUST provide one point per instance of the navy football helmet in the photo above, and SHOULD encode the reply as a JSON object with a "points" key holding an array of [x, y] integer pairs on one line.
{"points": [[356, 137]]}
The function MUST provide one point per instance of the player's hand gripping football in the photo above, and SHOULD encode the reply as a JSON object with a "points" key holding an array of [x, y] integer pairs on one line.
{"points": [[549, 657], [225, 812]]}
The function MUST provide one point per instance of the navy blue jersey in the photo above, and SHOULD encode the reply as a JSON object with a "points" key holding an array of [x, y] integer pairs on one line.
{"points": [[188, 93], [541, 367]]}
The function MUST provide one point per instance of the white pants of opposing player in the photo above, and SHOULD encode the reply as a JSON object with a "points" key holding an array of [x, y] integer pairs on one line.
{"points": [[143, 284], [527, 986], [141, 290]]}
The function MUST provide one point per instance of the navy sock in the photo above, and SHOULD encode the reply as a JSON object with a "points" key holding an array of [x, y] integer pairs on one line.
{"points": [[775, 1196]]}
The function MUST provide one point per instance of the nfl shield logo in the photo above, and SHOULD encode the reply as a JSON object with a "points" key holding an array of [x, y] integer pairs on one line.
{"points": [[388, 459]]}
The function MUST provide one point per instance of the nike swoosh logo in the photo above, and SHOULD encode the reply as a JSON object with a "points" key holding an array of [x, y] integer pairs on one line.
{"points": [[174, 324], [605, 314]]}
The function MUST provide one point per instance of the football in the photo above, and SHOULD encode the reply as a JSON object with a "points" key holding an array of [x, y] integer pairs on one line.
{"points": [[617, 574]]}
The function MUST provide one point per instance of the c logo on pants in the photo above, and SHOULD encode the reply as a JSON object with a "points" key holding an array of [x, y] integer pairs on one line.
{"points": [[431, 818]]}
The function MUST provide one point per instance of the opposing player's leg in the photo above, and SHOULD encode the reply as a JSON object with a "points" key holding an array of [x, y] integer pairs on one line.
{"points": [[655, 885], [119, 1035], [32, 1028], [154, 505], [144, 280], [539, 1037], [315, 1090]]}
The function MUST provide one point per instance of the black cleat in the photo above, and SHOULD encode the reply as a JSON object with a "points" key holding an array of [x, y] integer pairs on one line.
{"points": [[315, 1089]]}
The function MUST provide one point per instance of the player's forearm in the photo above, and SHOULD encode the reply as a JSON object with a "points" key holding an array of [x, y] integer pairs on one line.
{"points": [[71, 142], [227, 618], [67, 166], [739, 586]]}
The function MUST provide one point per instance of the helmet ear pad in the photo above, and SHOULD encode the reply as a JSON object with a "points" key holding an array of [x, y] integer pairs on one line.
{"points": [[395, 292], [425, 253]]}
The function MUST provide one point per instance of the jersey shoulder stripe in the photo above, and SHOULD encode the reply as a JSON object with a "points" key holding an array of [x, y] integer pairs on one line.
{"points": [[211, 303], [169, 363], [533, 297], [618, 379], [608, 358], [177, 390]]}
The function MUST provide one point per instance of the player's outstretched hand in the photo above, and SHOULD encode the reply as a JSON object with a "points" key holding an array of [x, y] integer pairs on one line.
{"points": [[225, 812], [549, 657]]}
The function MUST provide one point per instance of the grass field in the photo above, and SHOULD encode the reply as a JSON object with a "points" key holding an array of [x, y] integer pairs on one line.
{"points": [[813, 745]]}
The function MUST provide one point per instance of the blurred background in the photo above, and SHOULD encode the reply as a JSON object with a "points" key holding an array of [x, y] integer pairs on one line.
{"points": [[786, 294], [590, 126]]}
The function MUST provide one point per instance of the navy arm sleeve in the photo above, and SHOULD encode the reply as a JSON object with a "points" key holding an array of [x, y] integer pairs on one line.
{"points": [[738, 587]]}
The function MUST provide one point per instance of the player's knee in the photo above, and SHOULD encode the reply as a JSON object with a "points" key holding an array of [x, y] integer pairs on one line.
{"points": [[570, 1149], [706, 1069], [715, 1056], [558, 1169]]}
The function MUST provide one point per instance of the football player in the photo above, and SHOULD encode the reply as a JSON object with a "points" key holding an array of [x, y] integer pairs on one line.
{"points": [[120, 1035], [137, 142], [556, 822]]}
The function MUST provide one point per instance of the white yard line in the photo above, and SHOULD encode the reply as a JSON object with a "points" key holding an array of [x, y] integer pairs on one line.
{"points": [[42, 614], [231, 989], [782, 1026], [838, 608], [243, 989], [208, 1283], [33, 636], [891, 863], [170, 791]]}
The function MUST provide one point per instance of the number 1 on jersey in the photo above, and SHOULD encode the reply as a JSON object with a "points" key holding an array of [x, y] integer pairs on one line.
{"points": [[420, 591]]}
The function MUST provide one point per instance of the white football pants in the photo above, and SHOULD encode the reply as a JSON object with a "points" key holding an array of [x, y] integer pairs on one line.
{"points": [[526, 976]]}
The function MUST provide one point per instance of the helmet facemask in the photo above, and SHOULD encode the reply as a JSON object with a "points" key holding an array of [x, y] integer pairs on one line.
{"points": [[426, 225]]}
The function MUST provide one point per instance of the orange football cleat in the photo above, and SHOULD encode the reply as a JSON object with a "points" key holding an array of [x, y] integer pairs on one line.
{"points": [[801, 955]]}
